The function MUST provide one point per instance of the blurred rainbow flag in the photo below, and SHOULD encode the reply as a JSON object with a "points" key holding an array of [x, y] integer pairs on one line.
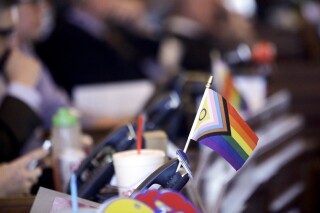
{"points": [[218, 126], [225, 85]]}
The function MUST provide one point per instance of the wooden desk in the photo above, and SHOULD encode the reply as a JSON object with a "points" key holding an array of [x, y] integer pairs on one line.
{"points": [[16, 204]]}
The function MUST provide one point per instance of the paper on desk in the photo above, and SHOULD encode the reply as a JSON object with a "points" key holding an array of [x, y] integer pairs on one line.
{"points": [[52, 201], [121, 99]]}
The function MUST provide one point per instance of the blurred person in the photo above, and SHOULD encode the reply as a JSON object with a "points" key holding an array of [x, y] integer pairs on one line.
{"points": [[19, 116], [20, 100], [134, 31], [195, 28], [77, 52], [16, 178], [29, 29], [20, 109]]}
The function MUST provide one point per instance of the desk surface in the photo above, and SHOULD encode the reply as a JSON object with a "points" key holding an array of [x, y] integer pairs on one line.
{"points": [[16, 204]]}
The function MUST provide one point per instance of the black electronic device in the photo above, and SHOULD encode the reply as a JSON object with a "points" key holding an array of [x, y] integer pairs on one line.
{"points": [[164, 114], [166, 176], [97, 170], [161, 111]]}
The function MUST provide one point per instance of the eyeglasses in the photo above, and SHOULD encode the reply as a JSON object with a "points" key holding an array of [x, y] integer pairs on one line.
{"points": [[6, 32]]}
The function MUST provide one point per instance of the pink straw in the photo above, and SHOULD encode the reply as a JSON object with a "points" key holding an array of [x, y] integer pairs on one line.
{"points": [[139, 133]]}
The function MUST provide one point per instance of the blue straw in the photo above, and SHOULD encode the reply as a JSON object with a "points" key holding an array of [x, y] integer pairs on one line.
{"points": [[74, 193]]}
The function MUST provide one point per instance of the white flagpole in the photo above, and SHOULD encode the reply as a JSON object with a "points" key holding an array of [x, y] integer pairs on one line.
{"points": [[208, 85]]}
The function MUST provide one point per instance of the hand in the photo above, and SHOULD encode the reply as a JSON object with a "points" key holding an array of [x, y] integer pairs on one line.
{"points": [[22, 68], [16, 178]]}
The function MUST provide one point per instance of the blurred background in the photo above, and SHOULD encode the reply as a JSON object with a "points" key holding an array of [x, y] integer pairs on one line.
{"points": [[270, 49]]}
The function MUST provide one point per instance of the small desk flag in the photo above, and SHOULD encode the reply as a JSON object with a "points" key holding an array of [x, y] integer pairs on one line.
{"points": [[225, 85], [218, 126]]}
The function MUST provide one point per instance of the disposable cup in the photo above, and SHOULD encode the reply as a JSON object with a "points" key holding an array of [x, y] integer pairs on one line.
{"points": [[132, 168]]}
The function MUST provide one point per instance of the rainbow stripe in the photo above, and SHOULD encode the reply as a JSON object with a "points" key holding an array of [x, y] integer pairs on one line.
{"points": [[220, 127], [230, 93], [225, 85]]}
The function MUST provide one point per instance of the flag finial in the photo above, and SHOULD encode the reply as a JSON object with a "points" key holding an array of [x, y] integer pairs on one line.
{"points": [[209, 82]]}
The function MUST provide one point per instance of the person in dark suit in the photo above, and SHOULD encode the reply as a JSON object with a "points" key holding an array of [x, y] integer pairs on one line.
{"points": [[197, 27], [20, 107], [77, 51], [18, 110], [17, 123]]}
